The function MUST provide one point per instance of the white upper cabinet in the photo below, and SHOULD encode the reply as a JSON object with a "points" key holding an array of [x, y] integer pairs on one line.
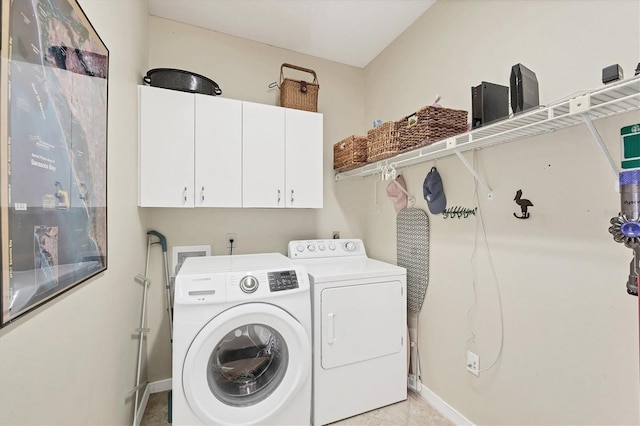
{"points": [[190, 150], [218, 152], [165, 149], [262, 155], [282, 157], [205, 151], [303, 149]]}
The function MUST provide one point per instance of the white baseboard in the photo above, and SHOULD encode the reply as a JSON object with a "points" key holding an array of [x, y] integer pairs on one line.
{"points": [[153, 387], [445, 409], [159, 386]]}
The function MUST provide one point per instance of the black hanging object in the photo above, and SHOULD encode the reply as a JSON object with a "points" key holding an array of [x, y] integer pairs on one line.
{"points": [[524, 205], [459, 212]]}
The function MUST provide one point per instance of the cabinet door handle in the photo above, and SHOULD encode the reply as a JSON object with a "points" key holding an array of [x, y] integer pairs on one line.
{"points": [[184, 194], [278, 196], [202, 194], [292, 196]]}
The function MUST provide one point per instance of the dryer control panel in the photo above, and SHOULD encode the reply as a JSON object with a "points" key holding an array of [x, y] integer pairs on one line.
{"points": [[315, 249]]}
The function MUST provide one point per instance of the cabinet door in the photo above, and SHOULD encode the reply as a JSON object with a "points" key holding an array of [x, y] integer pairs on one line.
{"points": [[262, 155], [165, 148], [218, 152], [303, 136]]}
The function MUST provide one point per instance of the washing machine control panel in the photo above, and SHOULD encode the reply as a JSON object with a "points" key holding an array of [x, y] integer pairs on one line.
{"points": [[282, 280], [312, 249]]}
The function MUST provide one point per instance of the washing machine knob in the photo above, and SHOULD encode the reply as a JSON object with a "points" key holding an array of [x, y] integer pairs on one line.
{"points": [[300, 248], [332, 246], [350, 246], [311, 247], [249, 284], [322, 247]]}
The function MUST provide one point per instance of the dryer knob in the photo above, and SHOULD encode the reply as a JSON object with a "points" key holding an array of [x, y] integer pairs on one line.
{"points": [[332, 246], [350, 246], [300, 248], [249, 284], [311, 247]]}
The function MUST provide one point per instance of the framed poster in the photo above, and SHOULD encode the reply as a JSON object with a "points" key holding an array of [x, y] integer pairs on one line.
{"points": [[53, 152]]}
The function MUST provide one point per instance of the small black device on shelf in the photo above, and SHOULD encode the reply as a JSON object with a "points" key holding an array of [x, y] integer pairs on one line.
{"points": [[612, 73], [524, 89], [489, 103]]}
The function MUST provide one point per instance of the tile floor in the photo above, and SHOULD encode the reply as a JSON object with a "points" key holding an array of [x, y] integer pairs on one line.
{"points": [[413, 411]]}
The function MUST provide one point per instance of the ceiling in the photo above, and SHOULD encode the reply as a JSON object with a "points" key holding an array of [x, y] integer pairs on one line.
{"points": [[351, 32]]}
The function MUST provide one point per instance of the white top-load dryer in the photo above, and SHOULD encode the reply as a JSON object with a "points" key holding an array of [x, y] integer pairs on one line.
{"points": [[242, 341], [359, 328]]}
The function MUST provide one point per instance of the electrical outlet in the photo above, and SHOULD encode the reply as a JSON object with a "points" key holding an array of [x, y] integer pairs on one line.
{"points": [[473, 363], [335, 235], [235, 240]]}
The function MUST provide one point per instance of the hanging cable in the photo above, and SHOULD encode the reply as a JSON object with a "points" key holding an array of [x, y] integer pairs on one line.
{"points": [[376, 206], [480, 226]]}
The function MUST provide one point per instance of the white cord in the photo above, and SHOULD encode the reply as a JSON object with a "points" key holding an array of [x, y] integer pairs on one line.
{"points": [[376, 207], [480, 221]]}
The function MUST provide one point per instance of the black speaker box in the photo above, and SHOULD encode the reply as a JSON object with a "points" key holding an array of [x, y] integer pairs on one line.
{"points": [[524, 89], [489, 103], [612, 73]]}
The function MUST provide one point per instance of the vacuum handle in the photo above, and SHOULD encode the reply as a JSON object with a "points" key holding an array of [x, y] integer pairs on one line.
{"points": [[163, 240]]}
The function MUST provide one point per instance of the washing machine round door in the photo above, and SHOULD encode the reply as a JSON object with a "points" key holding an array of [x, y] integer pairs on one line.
{"points": [[246, 364]]}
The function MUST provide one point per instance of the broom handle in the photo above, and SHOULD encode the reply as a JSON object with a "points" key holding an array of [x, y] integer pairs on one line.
{"points": [[295, 67]]}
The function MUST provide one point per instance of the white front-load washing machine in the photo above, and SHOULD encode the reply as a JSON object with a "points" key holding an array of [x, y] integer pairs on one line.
{"points": [[241, 341], [359, 310]]}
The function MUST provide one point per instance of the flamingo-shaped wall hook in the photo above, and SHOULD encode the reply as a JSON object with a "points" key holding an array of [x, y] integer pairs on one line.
{"points": [[524, 205]]}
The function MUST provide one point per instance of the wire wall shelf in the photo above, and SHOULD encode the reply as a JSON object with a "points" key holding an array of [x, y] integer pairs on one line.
{"points": [[613, 99]]}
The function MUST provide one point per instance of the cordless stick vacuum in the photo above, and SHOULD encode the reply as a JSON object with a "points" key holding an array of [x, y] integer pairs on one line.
{"points": [[143, 330], [167, 283], [625, 227]]}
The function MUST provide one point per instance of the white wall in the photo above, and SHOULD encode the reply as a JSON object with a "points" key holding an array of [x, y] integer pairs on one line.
{"points": [[244, 70], [73, 360], [570, 330]]}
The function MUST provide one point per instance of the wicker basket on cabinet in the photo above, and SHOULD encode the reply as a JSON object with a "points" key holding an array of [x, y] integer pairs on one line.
{"points": [[299, 94]]}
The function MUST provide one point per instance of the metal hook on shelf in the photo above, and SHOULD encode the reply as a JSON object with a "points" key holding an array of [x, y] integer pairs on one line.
{"points": [[383, 170], [393, 172]]}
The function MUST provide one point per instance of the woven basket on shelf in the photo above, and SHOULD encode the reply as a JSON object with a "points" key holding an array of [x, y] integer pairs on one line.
{"points": [[299, 94], [430, 124], [350, 153], [382, 141]]}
